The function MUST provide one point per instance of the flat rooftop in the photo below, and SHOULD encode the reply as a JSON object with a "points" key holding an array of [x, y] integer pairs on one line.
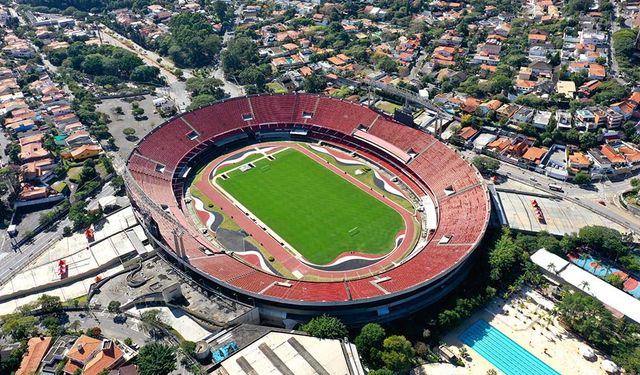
{"points": [[288, 353]]}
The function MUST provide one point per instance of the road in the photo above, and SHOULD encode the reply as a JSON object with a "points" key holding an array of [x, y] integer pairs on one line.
{"points": [[176, 88], [605, 191], [130, 328], [12, 259]]}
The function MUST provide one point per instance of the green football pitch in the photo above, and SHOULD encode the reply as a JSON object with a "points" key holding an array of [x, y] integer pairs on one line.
{"points": [[316, 211]]}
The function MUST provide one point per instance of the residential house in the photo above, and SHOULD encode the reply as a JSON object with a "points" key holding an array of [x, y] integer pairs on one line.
{"points": [[541, 69], [589, 88], [524, 115], [585, 119], [83, 152], [36, 349], [534, 155], [596, 72], [541, 119], [578, 161], [31, 148], [563, 120], [566, 88], [489, 107], [79, 138], [92, 356]]}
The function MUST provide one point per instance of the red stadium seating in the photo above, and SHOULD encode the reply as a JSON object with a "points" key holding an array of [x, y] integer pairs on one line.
{"points": [[463, 210]]}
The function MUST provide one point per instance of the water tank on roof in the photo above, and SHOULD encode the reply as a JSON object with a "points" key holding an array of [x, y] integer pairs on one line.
{"points": [[202, 350]]}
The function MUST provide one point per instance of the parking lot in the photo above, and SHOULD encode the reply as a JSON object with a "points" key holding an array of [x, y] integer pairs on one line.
{"points": [[119, 122]]}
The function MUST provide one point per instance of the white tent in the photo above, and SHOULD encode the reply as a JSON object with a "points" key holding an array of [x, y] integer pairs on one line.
{"points": [[610, 367], [587, 352]]}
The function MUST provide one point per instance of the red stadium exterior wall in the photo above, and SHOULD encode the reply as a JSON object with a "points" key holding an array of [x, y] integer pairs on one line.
{"points": [[158, 166]]}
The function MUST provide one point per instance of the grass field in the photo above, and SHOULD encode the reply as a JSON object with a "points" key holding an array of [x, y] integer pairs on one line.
{"points": [[316, 211]]}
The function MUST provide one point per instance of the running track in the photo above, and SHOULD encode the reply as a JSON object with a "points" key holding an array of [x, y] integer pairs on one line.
{"points": [[287, 259]]}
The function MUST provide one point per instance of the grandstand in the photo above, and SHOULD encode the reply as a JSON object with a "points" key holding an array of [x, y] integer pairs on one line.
{"points": [[163, 163]]}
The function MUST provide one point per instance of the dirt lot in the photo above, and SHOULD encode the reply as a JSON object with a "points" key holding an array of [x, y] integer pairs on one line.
{"points": [[119, 122]]}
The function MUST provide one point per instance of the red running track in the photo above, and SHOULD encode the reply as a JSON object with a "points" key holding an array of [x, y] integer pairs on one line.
{"points": [[286, 258]]}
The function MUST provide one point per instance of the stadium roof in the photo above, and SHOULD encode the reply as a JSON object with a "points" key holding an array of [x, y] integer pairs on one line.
{"points": [[589, 283]]}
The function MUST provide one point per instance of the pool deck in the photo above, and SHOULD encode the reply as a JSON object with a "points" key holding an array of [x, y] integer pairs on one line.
{"points": [[526, 324]]}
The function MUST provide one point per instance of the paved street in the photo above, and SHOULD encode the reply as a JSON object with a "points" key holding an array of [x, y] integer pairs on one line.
{"points": [[606, 191], [130, 328]]}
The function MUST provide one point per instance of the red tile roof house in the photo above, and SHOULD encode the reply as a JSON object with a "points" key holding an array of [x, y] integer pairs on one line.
{"points": [[92, 356], [36, 349]]}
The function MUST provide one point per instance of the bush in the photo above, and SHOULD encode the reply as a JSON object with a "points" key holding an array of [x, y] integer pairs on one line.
{"points": [[67, 231], [128, 131]]}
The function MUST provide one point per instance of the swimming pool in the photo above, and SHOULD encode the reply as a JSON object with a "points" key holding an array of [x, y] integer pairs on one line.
{"points": [[502, 352]]}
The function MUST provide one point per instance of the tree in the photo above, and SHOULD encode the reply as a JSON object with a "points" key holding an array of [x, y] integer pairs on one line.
{"points": [[504, 257], [241, 52], [382, 371], [188, 346], [114, 307], [485, 164], [117, 183], [602, 240], [192, 42], [615, 280], [156, 359], [314, 84], [19, 326], [387, 64], [582, 178], [588, 140], [205, 85], [94, 332], [326, 327], [369, 343], [13, 151], [88, 170], [587, 316], [201, 101], [398, 354], [50, 304], [144, 73]]}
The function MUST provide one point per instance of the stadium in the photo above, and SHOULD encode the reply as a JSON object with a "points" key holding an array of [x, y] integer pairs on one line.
{"points": [[304, 205]]}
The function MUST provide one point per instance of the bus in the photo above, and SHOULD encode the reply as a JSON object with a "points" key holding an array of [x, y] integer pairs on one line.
{"points": [[555, 187]]}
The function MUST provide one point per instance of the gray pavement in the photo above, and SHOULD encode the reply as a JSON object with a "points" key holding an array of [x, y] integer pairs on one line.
{"points": [[121, 121], [606, 192], [129, 328]]}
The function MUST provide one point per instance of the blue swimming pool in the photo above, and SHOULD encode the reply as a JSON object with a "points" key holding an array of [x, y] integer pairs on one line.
{"points": [[502, 352]]}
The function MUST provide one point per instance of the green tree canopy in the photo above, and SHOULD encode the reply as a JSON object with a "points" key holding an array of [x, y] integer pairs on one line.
{"points": [[192, 42], [326, 327], [156, 359], [241, 52], [397, 354], [369, 343], [485, 164], [582, 178]]}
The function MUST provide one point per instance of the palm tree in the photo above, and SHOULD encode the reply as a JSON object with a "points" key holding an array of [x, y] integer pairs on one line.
{"points": [[583, 258], [151, 323], [584, 285], [75, 325], [552, 268]]}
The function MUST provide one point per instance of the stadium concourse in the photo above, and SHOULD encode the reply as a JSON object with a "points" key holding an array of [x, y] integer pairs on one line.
{"points": [[160, 167]]}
